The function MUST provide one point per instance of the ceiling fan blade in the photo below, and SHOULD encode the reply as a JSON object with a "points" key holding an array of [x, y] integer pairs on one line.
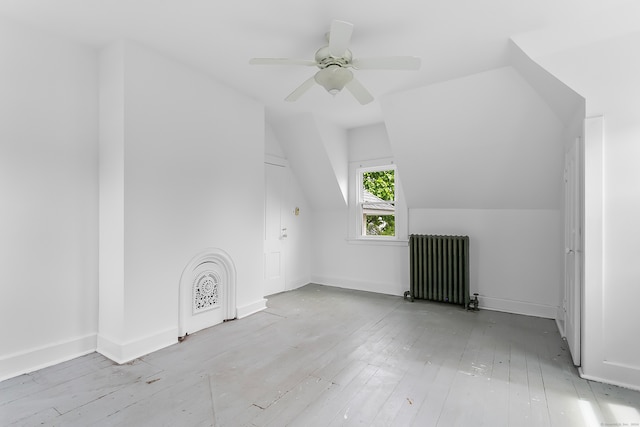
{"points": [[387, 63], [300, 90], [339, 37], [281, 61], [359, 92]]}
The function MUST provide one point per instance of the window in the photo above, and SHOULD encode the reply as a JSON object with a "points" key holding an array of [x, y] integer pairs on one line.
{"points": [[376, 200], [378, 213]]}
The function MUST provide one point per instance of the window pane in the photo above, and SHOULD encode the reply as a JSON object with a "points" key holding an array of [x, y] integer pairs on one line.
{"points": [[377, 202], [380, 183], [380, 225]]}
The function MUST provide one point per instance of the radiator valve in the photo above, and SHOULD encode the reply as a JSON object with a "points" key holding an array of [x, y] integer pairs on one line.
{"points": [[473, 304], [407, 295]]}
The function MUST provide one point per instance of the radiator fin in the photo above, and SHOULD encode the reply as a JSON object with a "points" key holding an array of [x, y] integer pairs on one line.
{"points": [[439, 268]]}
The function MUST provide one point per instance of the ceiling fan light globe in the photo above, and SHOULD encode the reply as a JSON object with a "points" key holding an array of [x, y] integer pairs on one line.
{"points": [[333, 78]]}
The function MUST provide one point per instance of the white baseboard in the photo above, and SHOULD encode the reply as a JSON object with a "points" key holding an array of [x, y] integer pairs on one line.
{"points": [[249, 309], [560, 328], [362, 285], [488, 303], [126, 352], [560, 322], [623, 384], [44, 356], [518, 307]]}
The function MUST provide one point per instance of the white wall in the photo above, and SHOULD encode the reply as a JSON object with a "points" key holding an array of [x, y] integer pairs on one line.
{"points": [[339, 261], [606, 74], [111, 193], [272, 146], [515, 255], [48, 200], [193, 178], [485, 141], [381, 268], [483, 156]]}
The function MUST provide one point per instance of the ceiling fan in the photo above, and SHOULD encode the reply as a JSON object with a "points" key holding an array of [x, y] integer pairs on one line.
{"points": [[334, 61]]}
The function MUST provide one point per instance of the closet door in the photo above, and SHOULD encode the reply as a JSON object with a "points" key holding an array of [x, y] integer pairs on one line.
{"points": [[274, 231]]}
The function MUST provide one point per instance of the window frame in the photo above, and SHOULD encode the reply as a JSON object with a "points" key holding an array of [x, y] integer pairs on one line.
{"points": [[356, 215]]}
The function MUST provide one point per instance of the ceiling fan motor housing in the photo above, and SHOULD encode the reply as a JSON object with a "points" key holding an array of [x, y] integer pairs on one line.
{"points": [[324, 58]]}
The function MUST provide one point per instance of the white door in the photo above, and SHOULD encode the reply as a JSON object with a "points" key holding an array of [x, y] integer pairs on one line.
{"points": [[274, 230], [573, 254]]}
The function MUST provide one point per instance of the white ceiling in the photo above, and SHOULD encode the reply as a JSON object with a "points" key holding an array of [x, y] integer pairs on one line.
{"points": [[454, 38]]}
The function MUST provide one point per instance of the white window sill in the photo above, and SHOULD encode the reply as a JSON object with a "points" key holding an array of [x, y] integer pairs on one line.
{"points": [[381, 242]]}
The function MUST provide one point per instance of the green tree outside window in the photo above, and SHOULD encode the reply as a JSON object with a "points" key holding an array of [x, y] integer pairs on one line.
{"points": [[380, 184]]}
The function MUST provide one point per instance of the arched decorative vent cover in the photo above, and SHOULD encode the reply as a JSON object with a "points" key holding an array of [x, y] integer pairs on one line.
{"points": [[207, 291]]}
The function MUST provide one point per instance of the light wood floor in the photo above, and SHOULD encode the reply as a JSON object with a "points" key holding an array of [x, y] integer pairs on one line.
{"points": [[322, 356]]}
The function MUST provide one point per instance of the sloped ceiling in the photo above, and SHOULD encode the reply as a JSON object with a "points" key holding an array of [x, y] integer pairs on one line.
{"points": [[466, 129], [564, 101], [486, 141], [318, 166], [455, 38]]}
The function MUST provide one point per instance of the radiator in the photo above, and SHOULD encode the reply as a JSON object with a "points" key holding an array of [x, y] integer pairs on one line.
{"points": [[439, 268]]}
